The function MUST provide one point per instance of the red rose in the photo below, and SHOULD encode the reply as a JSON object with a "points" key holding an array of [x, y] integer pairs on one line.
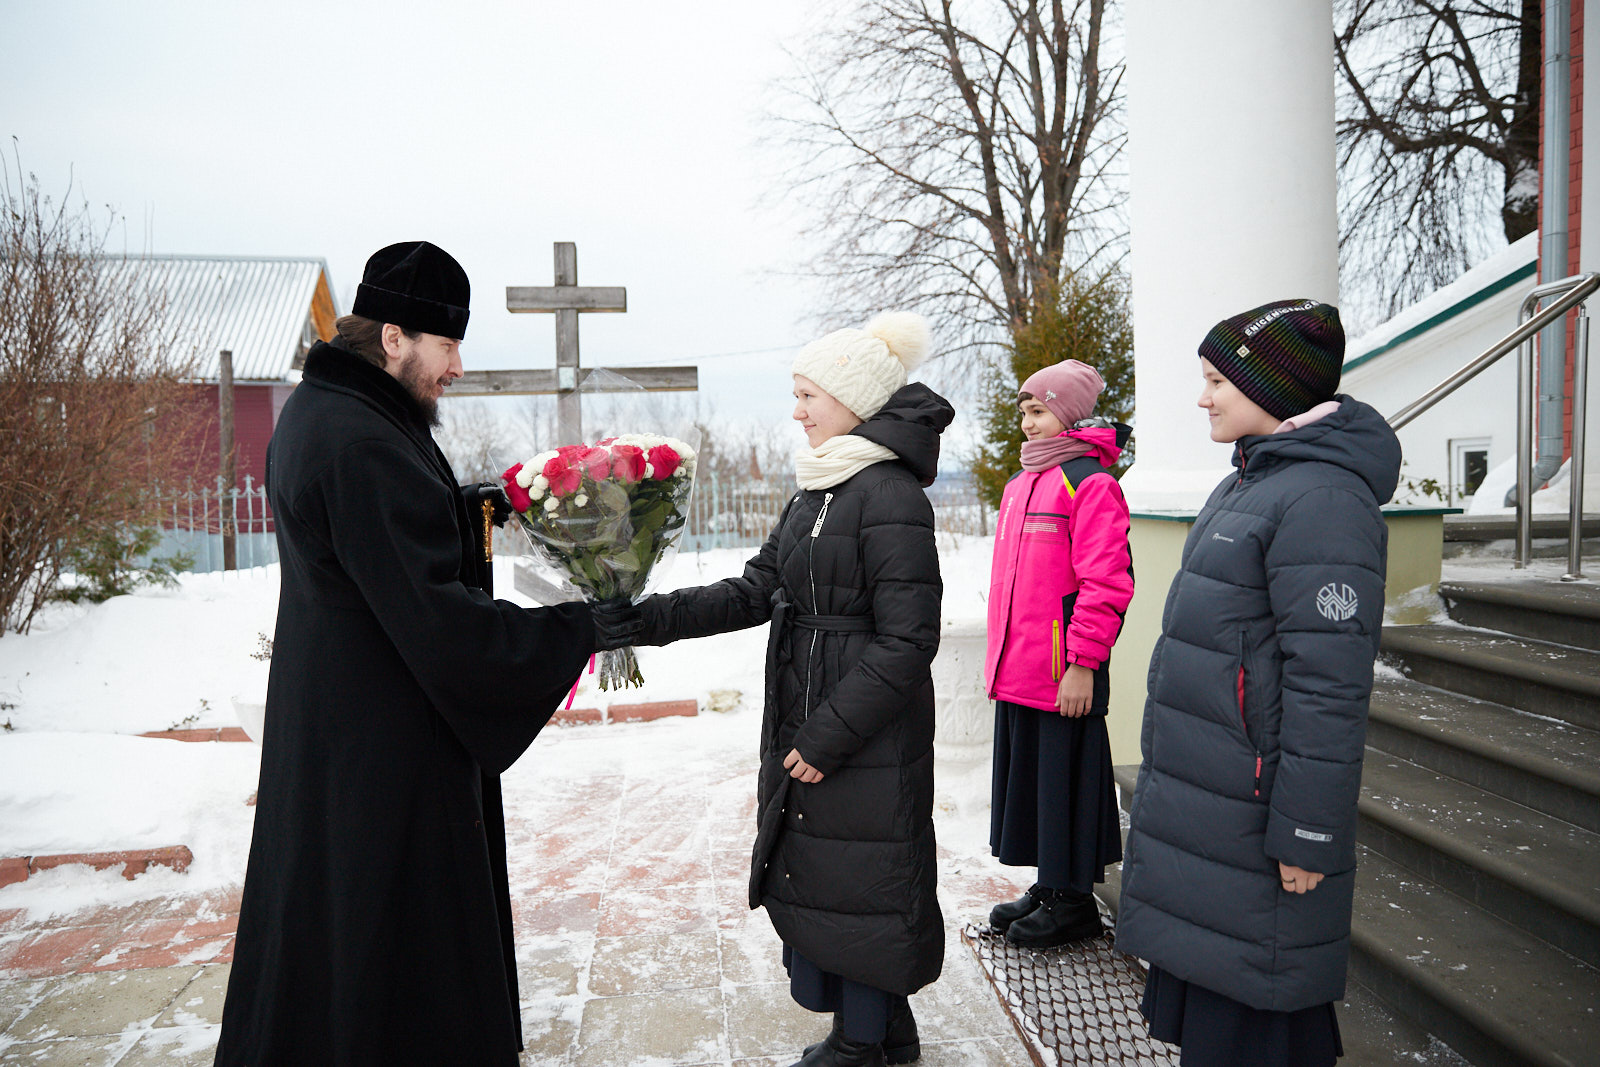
{"points": [[515, 493], [596, 463], [562, 478], [663, 462], [569, 451], [628, 463]]}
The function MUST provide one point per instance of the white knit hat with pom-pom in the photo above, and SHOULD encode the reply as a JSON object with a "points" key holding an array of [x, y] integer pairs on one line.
{"points": [[863, 368]]}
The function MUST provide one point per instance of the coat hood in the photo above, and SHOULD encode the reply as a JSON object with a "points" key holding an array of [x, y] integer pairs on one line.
{"points": [[1355, 437], [909, 426]]}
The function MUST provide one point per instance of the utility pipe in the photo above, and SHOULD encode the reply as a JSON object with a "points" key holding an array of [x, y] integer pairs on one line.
{"points": [[1553, 203]]}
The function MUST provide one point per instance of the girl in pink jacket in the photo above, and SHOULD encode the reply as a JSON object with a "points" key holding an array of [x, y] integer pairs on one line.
{"points": [[1060, 584]]}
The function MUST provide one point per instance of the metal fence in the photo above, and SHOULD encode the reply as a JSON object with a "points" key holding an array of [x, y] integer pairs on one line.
{"points": [[723, 513], [192, 522], [728, 513]]}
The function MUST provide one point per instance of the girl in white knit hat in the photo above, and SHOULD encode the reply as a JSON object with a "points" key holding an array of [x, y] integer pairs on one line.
{"points": [[844, 859]]}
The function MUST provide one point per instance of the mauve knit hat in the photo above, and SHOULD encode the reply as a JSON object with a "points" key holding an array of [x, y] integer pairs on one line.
{"points": [[1286, 355], [417, 286], [1067, 389]]}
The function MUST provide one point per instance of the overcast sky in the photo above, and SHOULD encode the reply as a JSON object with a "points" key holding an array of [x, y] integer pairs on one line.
{"points": [[490, 128]]}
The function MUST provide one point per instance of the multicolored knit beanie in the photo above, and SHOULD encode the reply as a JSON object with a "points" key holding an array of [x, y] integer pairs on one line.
{"points": [[1286, 355]]}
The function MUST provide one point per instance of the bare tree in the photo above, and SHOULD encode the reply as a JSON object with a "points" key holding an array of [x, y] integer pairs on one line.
{"points": [[958, 158], [1438, 127], [94, 407]]}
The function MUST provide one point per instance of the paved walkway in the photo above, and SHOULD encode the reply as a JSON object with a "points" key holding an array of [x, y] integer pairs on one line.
{"points": [[629, 854]]}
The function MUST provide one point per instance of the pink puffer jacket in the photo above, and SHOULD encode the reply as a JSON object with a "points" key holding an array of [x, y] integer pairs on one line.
{"points": [[1062, 576]]}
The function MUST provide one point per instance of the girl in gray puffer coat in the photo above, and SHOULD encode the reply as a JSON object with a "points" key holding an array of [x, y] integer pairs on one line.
{"points": [[1241, 854]]}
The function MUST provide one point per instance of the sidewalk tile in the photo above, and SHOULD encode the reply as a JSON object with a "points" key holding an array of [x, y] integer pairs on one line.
{"points": [[659, 870], [681, 1027], [671, 910], [200, 1002], [981, 1052], [550, 1033], [552, 966], [91, 1005], [650, 963], [752, 954], [572, 913], [59, 951], [176, 1046], [18, 995], [763, 1020], [84, 1052]]}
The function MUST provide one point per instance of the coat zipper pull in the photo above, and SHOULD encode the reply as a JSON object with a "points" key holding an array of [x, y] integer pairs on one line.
{"points": [[816, 529], [1258, 774]]}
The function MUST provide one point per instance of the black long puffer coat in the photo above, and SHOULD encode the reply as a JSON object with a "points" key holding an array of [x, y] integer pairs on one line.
{"points": [[850, 582], [1256, 718]]}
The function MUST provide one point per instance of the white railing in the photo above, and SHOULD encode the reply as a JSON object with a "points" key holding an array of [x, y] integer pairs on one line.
{"points": [[195, 523]]}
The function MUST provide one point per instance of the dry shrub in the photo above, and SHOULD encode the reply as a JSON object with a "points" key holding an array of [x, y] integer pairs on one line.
{"points": [[95, 411]]}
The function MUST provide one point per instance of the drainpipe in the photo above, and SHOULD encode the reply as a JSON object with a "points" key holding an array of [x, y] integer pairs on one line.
{"points": [[1557, 96]]}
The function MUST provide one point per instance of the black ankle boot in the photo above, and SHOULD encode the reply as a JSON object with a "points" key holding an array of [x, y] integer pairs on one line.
{"points": [[1001, 916], [840, 1051], [1062, 919], [900, 1044]]}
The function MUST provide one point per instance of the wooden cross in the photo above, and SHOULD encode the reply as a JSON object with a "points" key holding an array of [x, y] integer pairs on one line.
{"points": [[565, 299]]}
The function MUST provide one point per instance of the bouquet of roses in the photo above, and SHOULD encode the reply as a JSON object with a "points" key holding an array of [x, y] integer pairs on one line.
{"points": [[603, 515]]}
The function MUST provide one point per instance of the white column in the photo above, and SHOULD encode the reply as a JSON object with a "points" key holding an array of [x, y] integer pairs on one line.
{"points": [[1231, 163]]}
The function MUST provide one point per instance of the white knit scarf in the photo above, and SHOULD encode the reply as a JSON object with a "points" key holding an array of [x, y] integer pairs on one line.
{"points": [[836, 460]]}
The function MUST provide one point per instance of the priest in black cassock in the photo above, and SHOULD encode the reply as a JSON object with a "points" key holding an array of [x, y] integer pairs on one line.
{"points": [[375, 926]]}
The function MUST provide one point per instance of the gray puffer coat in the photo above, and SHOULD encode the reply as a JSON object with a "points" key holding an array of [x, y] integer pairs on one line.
{"points": [[1256, 719]]}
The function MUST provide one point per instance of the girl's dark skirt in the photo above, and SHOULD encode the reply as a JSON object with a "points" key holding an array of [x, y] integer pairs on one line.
{"points": [[863, 1010], [1054, 802], [1218, 1031]]}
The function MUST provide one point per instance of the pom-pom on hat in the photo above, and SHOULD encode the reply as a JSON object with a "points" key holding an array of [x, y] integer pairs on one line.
{"points": [[1286, 356], [863, 368], [417, 286], [1067, 389]]}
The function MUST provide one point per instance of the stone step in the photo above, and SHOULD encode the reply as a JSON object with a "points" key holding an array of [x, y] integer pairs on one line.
{"points": [[1479, 528], [1494, 993], [1374, 1034], [1548, 765], [1526, 868], [1565, 613], [1533, 676]]}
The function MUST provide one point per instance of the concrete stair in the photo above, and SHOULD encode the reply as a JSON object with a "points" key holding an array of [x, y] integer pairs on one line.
{"points": [[1479, 536], [1477, 910]]}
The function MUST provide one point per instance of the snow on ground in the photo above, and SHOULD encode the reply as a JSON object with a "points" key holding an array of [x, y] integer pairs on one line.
{"points": [[76, 691]]}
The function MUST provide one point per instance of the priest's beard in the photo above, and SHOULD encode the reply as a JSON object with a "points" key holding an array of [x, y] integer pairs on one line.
{"points": [[420, 388]]}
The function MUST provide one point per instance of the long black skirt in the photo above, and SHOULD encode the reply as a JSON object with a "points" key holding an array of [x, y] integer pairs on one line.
{"points": [[1054, 801], [1217, 1031], [863, 1010]]}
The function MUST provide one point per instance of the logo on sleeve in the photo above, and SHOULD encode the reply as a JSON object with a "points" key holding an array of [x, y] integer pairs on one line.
{"points": [[1310, 836], [1337, 602]]}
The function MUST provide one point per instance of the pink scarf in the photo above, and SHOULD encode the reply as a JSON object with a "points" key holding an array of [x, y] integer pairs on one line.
{"points": [[1070, 444]]}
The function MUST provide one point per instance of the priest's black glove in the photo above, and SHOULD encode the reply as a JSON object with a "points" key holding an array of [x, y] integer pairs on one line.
{"points": [[617, 623], [476, 494]]}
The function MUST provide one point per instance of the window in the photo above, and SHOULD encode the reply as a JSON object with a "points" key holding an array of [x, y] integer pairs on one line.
{"points": [[1469, 465]]}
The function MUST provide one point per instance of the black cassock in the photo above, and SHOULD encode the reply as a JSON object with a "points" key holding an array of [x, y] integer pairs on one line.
{"points": [[376, 920]]}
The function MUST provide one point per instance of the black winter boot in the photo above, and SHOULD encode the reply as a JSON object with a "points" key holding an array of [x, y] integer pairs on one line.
{"points": [[1064, 918], [840, 1051], [900, 1044], [1001, 916]]}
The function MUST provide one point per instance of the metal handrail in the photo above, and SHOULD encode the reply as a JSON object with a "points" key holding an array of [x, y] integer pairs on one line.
{"points": [[1573, 291]]}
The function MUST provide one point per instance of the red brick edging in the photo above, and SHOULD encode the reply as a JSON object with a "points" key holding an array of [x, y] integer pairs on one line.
{"points": [[210, 733], [134, 862], [656, 709]]}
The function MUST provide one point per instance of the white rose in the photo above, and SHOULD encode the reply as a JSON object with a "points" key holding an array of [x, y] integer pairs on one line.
{"points": [[526, 475], [582, 499], [550, 505], [535, 492]]}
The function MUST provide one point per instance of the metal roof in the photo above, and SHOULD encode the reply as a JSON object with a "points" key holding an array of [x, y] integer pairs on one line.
{"points": [[259, 307]]}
